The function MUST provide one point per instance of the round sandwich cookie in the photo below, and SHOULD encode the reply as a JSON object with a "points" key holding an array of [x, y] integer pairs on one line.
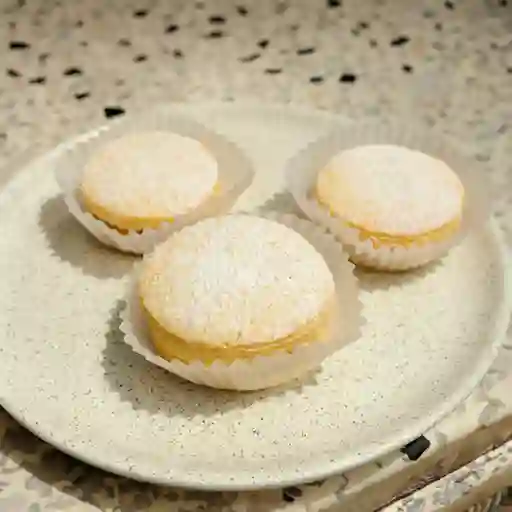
{"points": [[134, 183], [393, 197], [243, 302], [142, 180], [393, 207]]}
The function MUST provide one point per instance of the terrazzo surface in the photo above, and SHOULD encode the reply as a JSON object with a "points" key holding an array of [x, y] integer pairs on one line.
{"points": [[67, 66]]}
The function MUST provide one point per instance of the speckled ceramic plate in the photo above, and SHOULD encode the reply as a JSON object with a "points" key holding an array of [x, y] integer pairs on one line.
{"points": [[67, 375]]}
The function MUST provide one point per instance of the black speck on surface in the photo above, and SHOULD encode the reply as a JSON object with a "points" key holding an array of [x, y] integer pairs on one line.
{"points": [[306, 51], [200, 5], [415, 449], [364, 25], [483, 157], [438, 26], [18, 45], [503, 3], [348, 78], [400, 41], [43, 57], [449, 5], [140, 58], [333, 3], [287, 497], [79, 24], [82, 95], [217, 20], [273, 71], [407, 68], [73, 71], [38, 80], [177, 53], [373, 43], [242, 10], [3, 136], [250, 58], [355, 31], [293, 491], [215, 34], [170, 29], [281, 7], [263, 43], [124, 42], [111, 112], [509, 70], [13, 73], [317, 79], [140, 13]]}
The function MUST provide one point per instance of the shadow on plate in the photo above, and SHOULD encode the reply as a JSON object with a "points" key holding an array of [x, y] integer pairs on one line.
{"points": [[282, 202], [148, 387], [73, 244], [374, 280]]}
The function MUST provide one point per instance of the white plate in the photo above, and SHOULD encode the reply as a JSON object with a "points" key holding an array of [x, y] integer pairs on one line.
{"points": [[67, 375]]}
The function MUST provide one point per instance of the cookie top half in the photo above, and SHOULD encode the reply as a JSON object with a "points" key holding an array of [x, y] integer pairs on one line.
{"points": [[150, 175], [235, 279], [390, 189]]}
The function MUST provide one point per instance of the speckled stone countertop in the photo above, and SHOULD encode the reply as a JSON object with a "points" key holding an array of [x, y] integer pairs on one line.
{"points": [[65, 66]]}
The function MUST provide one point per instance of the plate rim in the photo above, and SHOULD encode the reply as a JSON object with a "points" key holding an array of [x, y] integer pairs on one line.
{"points": [[24, 167]]}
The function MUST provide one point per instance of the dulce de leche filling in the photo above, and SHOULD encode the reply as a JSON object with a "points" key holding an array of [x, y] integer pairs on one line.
{"points": [[170, 346], [125, 223], [381, 239]]}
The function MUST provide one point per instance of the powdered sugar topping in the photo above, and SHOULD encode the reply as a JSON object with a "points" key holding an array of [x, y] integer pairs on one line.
{"points": [[235, 279], [391, 189], [151, 174]]}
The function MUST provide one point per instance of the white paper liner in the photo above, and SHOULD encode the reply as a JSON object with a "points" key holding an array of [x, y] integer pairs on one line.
{"points": [[235, 175], [269, 370], [303, 168]]}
